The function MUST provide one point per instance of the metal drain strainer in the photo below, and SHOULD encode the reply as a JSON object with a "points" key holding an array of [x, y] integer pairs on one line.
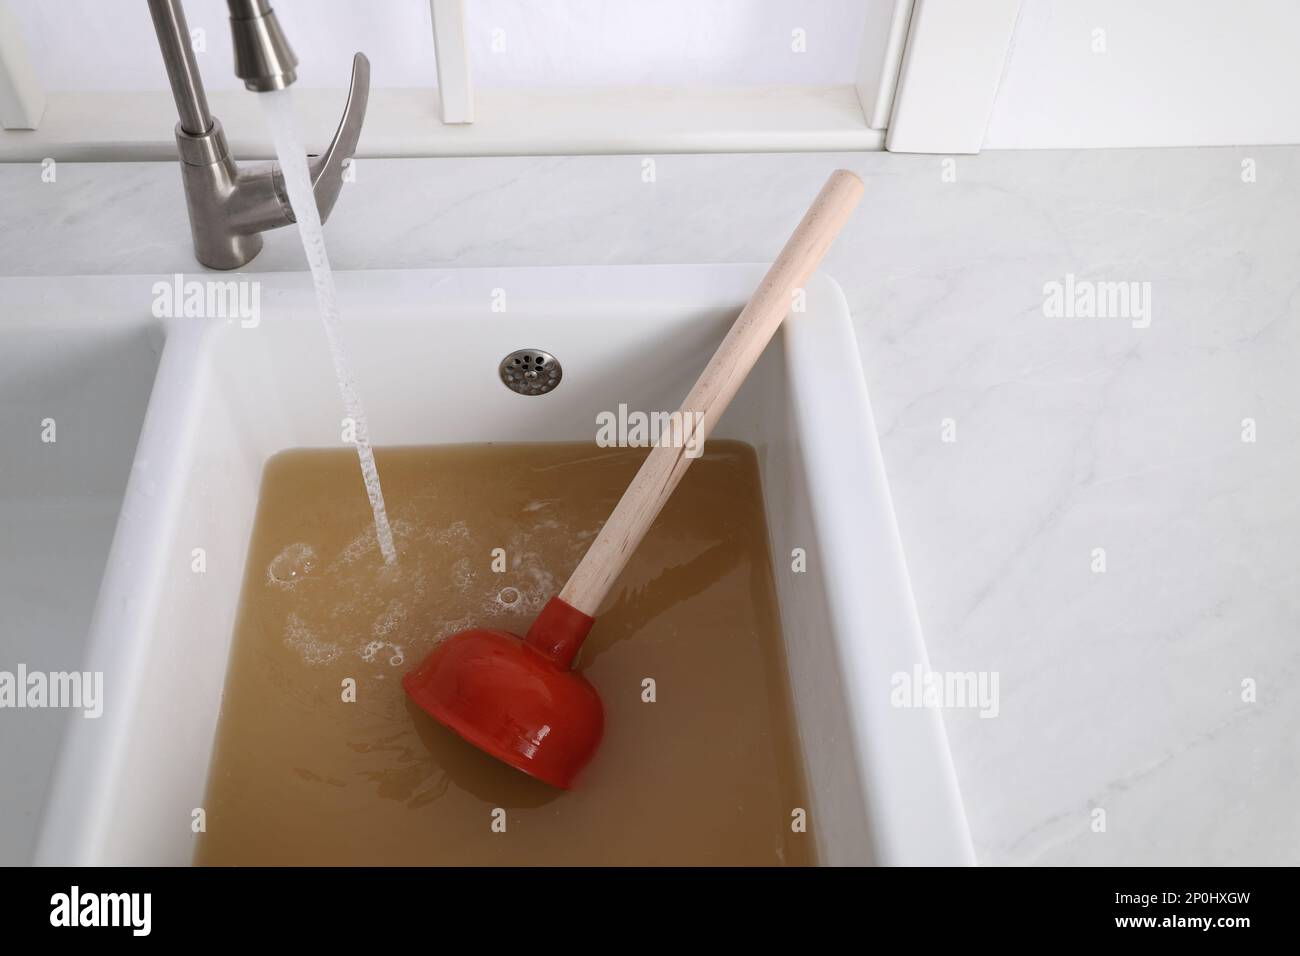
{"points": [[530, 371]]}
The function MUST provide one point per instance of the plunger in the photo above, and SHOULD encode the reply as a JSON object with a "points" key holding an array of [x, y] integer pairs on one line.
{"points": [[517, 698]]}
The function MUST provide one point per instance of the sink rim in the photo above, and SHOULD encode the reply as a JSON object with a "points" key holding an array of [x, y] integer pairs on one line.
{"points": [[912, 794]]}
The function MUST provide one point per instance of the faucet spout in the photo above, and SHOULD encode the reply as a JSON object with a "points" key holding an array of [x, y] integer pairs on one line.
{"points": [[263, 58], [229, 206]]}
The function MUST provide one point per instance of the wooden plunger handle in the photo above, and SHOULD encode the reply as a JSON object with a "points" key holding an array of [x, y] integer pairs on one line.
{"points": [[713, 392]]}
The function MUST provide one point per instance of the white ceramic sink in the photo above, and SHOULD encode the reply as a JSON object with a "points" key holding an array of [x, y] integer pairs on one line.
{"points": [[81, 376], [426, 345]]}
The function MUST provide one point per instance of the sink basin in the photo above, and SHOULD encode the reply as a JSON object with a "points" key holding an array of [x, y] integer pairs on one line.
{"points": [[425, 346], [81, 376]]}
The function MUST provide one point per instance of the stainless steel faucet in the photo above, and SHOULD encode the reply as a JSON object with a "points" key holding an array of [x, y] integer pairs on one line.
{"points": [[230, 207]]}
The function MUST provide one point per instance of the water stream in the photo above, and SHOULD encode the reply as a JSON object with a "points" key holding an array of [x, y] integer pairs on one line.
{"points": [[278, 106]]}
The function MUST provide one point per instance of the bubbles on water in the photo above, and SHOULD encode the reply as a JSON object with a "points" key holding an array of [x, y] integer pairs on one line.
{"points": [[310, 648], [389, 620], [403, 531], [448, 628], [463, 574], [357, 548], [456, 531], [292, 565], [371, 650], [543, 580], [388, 616]]}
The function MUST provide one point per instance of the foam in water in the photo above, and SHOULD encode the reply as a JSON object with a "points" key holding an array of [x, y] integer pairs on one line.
{"points": [[278, 106], [292, 565], [310, 648]]}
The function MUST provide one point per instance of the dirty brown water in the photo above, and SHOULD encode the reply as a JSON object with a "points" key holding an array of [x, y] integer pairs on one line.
{"points": [[708, 773]]}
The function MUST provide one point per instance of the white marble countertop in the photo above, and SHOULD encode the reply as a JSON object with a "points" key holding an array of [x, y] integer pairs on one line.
{"points": [[1119, 690]]}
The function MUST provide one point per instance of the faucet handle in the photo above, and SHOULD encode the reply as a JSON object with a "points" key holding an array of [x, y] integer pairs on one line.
{"points": [[327, 168]]}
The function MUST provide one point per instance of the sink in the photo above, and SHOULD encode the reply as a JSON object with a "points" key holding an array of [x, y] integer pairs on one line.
{"points": [[425, 347], [80, 374]]}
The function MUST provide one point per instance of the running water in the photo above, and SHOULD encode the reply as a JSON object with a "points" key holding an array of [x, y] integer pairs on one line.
{"points": [[278, 105]]}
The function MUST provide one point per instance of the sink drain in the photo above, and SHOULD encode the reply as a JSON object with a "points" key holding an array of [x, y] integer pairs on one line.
{"points": [[530, 372]]}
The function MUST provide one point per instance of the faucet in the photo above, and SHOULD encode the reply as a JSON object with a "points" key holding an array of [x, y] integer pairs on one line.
{"points": [[230, 206]]}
